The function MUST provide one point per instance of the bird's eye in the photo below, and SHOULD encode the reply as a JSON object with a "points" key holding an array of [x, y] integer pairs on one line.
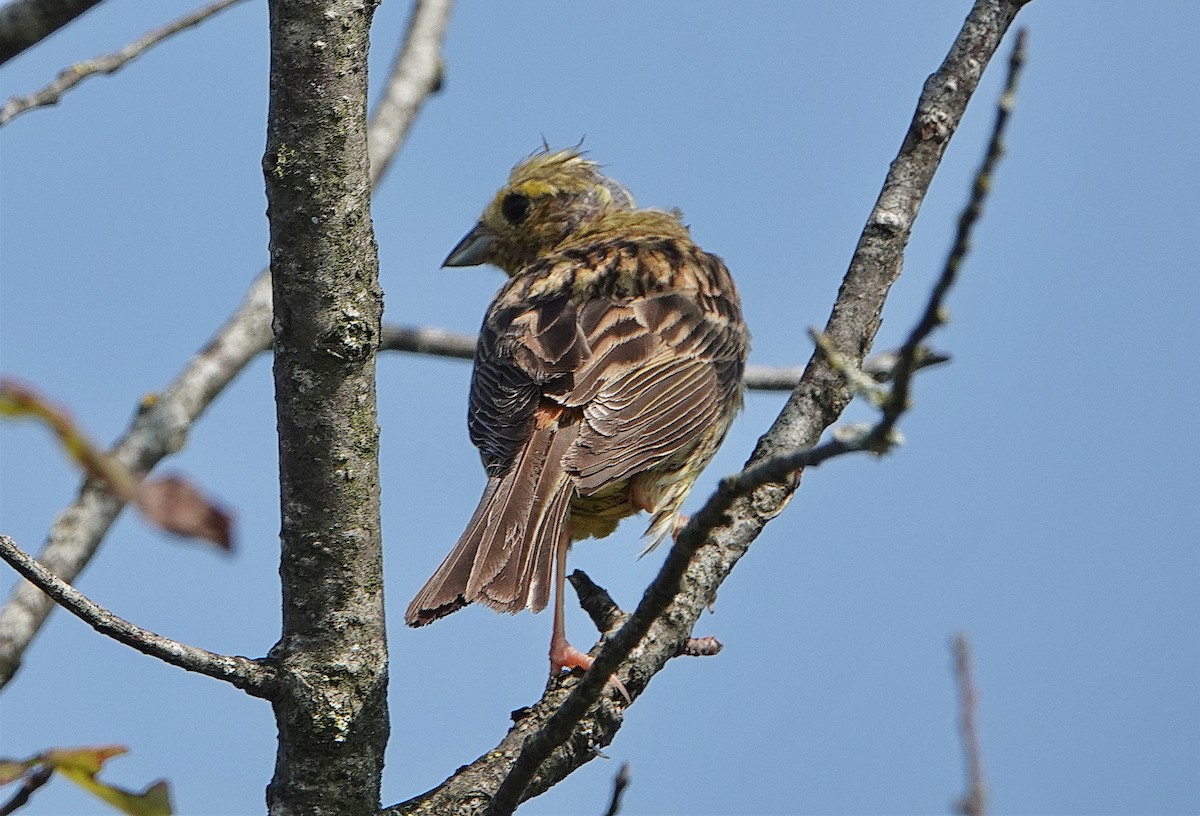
{"points": [[515, 207]]}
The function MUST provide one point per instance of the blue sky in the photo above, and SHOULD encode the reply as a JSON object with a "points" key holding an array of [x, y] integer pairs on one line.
{"points": [[1046, 501]]}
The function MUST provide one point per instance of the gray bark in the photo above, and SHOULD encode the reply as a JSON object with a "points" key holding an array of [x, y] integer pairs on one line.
{"points": [[331, 700]]}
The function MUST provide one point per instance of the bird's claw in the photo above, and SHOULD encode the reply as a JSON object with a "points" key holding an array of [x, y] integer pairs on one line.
{"points": [[566, 656]]}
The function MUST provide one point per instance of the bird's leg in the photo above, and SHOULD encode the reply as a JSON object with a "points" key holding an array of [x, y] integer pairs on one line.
{"points": [[562, 654]]}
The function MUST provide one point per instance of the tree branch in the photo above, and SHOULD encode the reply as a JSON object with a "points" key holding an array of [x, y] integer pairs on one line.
{"points": [[459, 345], [974, 801], [416, 74], [25, 23], [249, 675], [159, 429], [68, 78], [428, 340], [912, 355], [161, 425], [620, 783], [566, 727], [609, 617], [21, 796]]}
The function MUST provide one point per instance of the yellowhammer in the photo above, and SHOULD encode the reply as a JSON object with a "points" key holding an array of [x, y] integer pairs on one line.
{"points": [[607, 372]]}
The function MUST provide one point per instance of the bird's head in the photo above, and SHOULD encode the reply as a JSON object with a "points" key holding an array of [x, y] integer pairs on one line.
{"points": [[549, 197]]}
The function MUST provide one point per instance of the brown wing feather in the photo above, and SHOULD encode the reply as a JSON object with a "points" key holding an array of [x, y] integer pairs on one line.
{"points": [[662, 371], [525, 523], [526, 349], [445, 591], [642, 420]]}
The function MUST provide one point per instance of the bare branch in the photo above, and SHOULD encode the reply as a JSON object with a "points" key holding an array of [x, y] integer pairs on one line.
{"points": [[620, 783], [934, 314], [21, 796], [974, 801], [701, 647], [249, 675], [25, 23], [597, 603], [912, 355], [428, 340], [159, 429], [555, 737], [161, 426], [416, 74], [608, 617], [459, 345], [881, 367], [770, 378], [68, 78]]}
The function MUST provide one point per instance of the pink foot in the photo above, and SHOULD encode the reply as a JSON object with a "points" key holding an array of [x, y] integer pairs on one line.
{"points": [[565, 656]]}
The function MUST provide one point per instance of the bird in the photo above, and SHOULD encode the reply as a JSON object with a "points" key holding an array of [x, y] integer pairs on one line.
{"points": [[607, 372]]}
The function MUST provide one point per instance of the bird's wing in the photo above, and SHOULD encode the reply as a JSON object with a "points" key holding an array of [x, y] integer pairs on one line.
{"points": [[527, 349], [663, 370], [644, 336], [649, 367]]}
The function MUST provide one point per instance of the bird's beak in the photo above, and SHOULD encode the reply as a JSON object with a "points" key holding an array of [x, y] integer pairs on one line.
{"points": [[474, 249]]}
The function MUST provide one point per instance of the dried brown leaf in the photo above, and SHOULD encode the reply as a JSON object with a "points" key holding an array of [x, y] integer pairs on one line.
{"points": [[175, 505]]}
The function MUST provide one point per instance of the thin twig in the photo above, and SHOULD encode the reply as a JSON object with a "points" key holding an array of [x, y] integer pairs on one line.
{"points": [[428, 340], [596, 602], [620, 783], [974, 801], [701, 647], [459, 345], [607, 616], [161, 428], [158, 430], [68, 78], [772, 378], [21, 796], [251, 676], [774, 470], [881, 437], [881, 367], [934, 315]]}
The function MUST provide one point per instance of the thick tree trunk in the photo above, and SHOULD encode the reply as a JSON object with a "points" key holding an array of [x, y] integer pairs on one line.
{"points": [[331, 708]]}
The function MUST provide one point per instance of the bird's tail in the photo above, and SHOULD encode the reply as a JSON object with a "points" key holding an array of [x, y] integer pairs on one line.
{"points": [[505, 558]]}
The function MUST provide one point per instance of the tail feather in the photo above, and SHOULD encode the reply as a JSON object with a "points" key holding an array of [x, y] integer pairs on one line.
{"points": [[505, 557]]}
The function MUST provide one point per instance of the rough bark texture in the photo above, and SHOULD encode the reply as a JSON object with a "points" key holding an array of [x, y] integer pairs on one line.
{"points": [[24, 23], [331, 702], [557, 735]]}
